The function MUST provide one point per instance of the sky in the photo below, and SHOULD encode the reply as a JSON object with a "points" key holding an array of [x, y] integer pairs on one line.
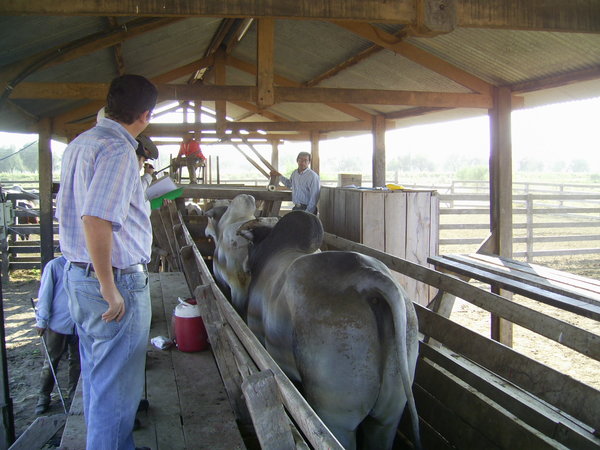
{"points": [[555, 132]]}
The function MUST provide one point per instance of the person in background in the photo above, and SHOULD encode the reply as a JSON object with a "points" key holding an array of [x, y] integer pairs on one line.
{"points": [[190, 155], [305, 184], [145, 151], [106, 235], [54, 324]]}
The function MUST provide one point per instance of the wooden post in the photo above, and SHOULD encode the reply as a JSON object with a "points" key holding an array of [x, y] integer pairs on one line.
{"points": [[378, 150], [529, 236], [7, 425], [315, 163], [275, 154], [45, 188], [220, 80], [198, 136], [501, 221], [265, 55]]}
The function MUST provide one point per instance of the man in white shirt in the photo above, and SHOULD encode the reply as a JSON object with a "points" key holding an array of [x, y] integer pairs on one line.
{"points": [[305, 185]]}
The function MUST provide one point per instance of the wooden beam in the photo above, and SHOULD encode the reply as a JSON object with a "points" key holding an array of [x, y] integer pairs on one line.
{"points": [[253, 109], [415, 54], [556, 81], [265, 57], [412, 112], [182, 71], [83, 46], [198, 191], [501, 194], [275, 154], [399, 11], [250, 160], [543, 15], [315, 163], [117, 48], [378, 151], [361, 56], [434, 17], [381, 97], [220, 80], [90, 109], [166, 129], [88, 91], [45, 174], [352, 111], [97, 91]]}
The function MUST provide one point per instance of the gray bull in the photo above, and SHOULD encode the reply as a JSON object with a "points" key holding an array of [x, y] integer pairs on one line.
{"points": [[231, 250], [339, 325]]}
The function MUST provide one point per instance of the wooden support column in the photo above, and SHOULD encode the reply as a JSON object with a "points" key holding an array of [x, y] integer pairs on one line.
{"points": [[378, 150], [315, 163], [220, 105], [265, 55], [275, 153], [45, 187], [198, 119], [501, 221]]}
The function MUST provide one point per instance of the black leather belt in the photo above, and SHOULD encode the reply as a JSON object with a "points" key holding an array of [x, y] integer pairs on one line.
{"points": [[135, 268]]}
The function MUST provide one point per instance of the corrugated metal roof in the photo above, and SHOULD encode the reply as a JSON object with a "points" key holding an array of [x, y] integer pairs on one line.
{"points": [[505, 57], [305, 50]]}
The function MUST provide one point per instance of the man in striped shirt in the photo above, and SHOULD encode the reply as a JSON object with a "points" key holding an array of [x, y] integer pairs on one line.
{"points": [[106, 236], [305, 185]]}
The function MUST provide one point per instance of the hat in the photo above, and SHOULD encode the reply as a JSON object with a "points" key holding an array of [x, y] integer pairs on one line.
{"points": [[146, 147]]}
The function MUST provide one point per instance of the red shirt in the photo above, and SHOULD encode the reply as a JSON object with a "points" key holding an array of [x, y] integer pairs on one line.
{"points": [[191, 148]]}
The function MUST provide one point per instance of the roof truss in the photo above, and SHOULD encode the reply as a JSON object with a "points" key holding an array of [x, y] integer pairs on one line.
{"points": [[437, 16]]}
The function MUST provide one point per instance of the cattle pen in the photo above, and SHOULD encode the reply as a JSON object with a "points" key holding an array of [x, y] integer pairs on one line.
{"points": [[471, 391], [270, 74]]}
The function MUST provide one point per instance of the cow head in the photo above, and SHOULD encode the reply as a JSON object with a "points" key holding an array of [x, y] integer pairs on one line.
{"points": [[297, 230], [255, 231]]}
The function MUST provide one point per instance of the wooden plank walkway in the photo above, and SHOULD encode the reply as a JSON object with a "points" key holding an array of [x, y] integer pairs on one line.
{"points": [[188, 404]]}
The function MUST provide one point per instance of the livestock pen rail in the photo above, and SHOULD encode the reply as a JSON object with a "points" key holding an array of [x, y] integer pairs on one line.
{"points": [[471, 391], [548, 221]]}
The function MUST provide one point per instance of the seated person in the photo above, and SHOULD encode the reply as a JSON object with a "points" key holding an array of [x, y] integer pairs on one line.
{"points": [[190, 151]]}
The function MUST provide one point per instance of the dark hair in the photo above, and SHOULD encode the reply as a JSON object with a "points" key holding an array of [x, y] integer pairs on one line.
{"points": [[304, 154], [129, 96]]}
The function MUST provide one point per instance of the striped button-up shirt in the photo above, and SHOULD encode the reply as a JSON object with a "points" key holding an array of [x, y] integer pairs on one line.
{"points": [[100, 177], [306, 188]]}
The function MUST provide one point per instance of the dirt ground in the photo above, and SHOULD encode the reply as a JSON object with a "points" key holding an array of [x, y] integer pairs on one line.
{"points": [[24, 351], [25, 357]]}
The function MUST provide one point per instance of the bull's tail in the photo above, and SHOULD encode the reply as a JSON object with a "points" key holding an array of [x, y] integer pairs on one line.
{"points": [[396, 299]]}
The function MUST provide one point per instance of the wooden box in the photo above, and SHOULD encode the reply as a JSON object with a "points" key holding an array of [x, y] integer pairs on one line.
{"points": [[347, 179], [401, 223]]}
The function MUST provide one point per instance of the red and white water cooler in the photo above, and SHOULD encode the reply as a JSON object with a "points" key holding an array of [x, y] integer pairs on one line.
{"points": [[188, 327]]}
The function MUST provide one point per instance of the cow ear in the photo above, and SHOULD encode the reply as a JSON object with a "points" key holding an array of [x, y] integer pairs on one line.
{"points": [[211, 229], [246, 234]]}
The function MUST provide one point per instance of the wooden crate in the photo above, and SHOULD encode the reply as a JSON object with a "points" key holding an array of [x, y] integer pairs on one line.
{"points": [[401, 223], [347, 179]]}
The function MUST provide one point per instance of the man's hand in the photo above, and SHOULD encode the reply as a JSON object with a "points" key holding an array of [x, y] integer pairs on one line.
{"points": [[40, 331], [116, 304], [98, 240], [274, 173]]}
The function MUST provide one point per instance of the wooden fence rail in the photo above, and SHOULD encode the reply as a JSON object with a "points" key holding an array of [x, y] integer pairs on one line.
{"points": [[535, 222], [546, 215]]}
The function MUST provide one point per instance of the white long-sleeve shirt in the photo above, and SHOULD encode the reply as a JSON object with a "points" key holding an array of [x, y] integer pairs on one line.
{"points": [[306, 187]]}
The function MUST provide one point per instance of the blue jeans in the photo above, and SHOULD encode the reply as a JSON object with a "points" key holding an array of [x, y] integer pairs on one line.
{"points": [[113, 355]]}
